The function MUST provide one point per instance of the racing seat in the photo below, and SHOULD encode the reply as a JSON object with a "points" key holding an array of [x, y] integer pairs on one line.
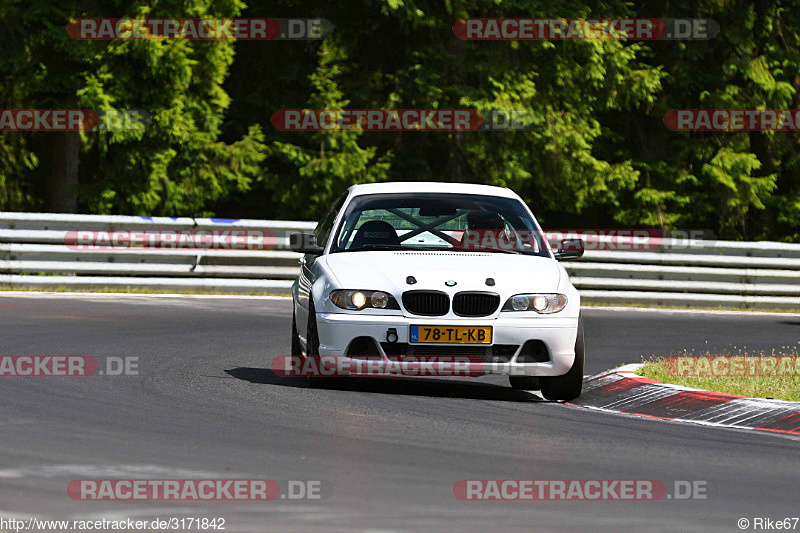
{"points": [[375, 232]]}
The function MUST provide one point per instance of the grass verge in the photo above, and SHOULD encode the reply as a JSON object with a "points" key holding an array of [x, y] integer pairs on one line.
{"points": [[774, 376]]}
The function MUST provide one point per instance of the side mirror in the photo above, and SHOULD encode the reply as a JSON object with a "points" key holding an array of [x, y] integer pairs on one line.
{"points": [[305, 243], [569, 249]]}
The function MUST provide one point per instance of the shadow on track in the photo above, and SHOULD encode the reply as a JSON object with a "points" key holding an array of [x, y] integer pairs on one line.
{"points": [[406, 386]]}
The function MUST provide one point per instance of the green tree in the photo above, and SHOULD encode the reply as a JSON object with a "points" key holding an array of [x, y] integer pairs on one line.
{"points": [[739, 184], [331, 160], [176, 164]]}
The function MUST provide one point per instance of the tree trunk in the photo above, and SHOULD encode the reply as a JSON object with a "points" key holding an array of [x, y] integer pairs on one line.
{"points": [[62, 177]]}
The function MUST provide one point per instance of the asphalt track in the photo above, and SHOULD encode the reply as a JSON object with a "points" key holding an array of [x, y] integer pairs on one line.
{"points": [[390, 449]]}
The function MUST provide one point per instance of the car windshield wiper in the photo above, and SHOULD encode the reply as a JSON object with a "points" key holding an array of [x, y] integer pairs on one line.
{"points": [[392, 247], [494, 250], [368, 247], [373, 247], [379, 247]]}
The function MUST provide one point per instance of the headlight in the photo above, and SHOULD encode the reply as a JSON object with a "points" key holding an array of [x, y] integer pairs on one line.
{"points": [[379, 300], [358, 299], [541, 303], [520, 303]]}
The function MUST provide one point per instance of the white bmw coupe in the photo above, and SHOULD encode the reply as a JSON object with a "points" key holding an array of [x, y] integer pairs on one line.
{"points": [[397, 270]]}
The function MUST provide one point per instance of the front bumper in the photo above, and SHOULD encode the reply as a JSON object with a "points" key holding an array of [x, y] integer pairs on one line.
{"points": [[337, 331]]}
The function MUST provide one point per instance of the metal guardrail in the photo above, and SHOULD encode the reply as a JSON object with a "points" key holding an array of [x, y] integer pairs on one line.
{"points": [[34, 253]]}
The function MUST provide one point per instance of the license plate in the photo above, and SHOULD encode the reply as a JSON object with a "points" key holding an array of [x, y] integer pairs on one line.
{"points": [[451, 334]]}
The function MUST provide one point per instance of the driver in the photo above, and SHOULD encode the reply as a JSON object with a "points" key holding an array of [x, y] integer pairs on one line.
{"points": [[483, 227]]}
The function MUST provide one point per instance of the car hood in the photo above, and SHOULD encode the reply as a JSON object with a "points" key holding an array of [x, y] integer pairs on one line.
{"points": [[388, 270]]}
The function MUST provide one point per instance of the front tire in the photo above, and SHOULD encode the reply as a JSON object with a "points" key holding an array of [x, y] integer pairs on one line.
{"points": [[312, 348], [569, 386], [297, 349]]}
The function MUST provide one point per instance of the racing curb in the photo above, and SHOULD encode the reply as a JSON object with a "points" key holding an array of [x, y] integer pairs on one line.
{"points": [[622, 391]]}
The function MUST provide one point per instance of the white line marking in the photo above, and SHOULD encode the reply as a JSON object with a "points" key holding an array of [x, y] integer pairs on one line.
{"points": [[694, 422], [746, 406]]}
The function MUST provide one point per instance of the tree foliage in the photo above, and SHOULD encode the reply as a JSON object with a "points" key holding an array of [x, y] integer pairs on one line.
{"points": [[599, 154], [176, 163]]}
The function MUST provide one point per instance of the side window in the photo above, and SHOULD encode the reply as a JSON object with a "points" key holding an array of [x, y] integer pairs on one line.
{"points": [[325, 225]]}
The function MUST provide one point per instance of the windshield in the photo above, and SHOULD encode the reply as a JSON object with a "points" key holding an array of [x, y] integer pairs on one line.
{"points": [[439, 221]]}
